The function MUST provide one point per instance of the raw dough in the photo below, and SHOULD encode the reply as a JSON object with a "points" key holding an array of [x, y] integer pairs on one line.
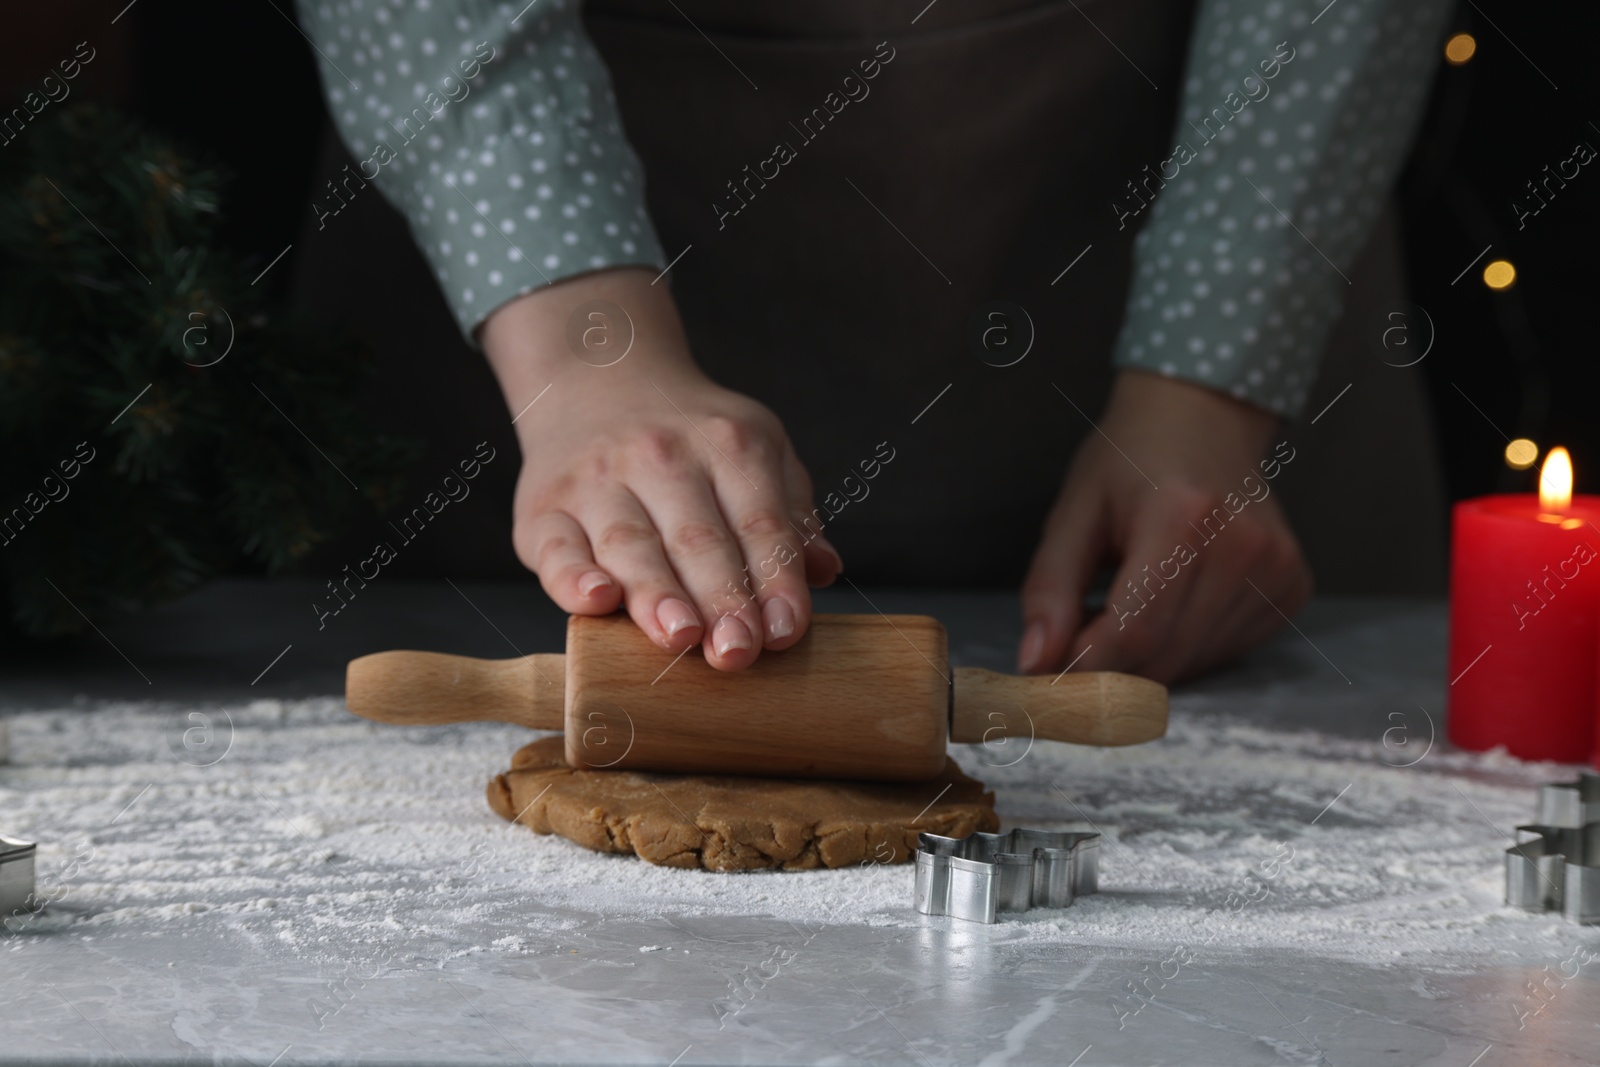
{"points": [[729, 823]]}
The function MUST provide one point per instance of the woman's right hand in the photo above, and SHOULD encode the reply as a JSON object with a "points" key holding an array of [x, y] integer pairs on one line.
{"points": [[646, 484]]}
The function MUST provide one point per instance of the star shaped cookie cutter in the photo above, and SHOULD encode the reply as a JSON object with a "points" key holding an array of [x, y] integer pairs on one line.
{"points": [[976, 877], [1559, 868]]}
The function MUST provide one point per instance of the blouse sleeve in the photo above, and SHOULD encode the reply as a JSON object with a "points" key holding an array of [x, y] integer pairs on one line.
{"points": [[1295, 121], [496, 134]]}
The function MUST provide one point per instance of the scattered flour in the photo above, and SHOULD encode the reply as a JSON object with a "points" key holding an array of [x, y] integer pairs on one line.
{"points": [[316, 831]]}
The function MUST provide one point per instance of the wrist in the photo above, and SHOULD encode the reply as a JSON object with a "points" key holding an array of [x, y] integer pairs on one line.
{"points": [[593, 330], [1175, 408]]}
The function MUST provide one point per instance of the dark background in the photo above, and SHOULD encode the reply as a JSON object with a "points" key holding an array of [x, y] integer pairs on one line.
{"points": [[240, 81]]}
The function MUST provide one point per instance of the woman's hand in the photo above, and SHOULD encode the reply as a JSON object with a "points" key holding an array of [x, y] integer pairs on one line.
{"points": [[646, 484], [1202, 576]]}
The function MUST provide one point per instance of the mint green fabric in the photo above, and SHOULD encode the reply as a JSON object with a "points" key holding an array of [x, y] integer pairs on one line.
{"points": [[496, 133], [512, 170], [1243, 264]]}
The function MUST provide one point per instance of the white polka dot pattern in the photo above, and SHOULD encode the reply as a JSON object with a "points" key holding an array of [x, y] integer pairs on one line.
{"points": [[1240, 271], [523, 180]]}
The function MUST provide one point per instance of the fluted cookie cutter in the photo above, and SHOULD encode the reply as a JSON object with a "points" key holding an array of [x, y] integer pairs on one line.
{"points": [[16, 875], [1558, 869], [976, 877]]}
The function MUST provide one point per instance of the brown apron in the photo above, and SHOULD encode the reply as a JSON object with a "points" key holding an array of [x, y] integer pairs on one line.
{"points": [[842, 295], [844, 278]]}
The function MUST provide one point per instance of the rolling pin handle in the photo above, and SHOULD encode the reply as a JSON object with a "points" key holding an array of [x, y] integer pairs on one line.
{"points": [[429, 688]]}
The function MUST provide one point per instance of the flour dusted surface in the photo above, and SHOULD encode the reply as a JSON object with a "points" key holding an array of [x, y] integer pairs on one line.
{"points": [[317, 831]]}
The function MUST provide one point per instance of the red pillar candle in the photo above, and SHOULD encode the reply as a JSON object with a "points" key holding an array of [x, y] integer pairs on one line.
{"points": [[1525, 620]]}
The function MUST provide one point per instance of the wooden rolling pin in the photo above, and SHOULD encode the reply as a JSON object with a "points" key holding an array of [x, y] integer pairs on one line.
{"points": [[860, 696]]}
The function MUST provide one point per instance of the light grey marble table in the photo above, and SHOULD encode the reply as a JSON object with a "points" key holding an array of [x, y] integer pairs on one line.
{"points": [[932, 992]]}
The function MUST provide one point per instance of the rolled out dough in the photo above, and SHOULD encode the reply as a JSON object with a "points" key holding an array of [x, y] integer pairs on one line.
{"points": [[727, 823]]}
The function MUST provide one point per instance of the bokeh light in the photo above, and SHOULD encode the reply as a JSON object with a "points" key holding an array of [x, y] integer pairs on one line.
{"points": [[1460, 48], [1499, 274], [1521, 454]]}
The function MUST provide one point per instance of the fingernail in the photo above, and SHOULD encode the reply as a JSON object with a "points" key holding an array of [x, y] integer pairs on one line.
{"points": [[1032, 647], [779, 617], [674, 615], [592, 581], [728, 635]]}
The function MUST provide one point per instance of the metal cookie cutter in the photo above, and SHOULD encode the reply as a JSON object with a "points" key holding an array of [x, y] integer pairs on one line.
{"points": [[974, 877], [1559, 869], [16, 875]]}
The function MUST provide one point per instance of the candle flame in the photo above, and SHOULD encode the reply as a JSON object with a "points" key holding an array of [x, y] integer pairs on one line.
{"points": [[1555, 482]]}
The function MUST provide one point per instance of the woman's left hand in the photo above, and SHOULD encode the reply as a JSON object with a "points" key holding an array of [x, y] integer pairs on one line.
{"points": [[1174, 489]]}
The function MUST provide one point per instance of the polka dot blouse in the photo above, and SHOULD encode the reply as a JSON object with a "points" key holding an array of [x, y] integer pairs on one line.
{"points": [[493, 128]]}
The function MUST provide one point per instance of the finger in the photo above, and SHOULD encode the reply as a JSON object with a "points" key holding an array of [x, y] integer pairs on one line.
{"points": [[823, 564], [627, 544], [774, 568], [1260, 580], [1249, 631], [1282, 588], [1258, 630], [823, 561], [1228, 637], [1212, 613], [554, 547], [705, 556], [1148, 596], [1073, 542]]}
